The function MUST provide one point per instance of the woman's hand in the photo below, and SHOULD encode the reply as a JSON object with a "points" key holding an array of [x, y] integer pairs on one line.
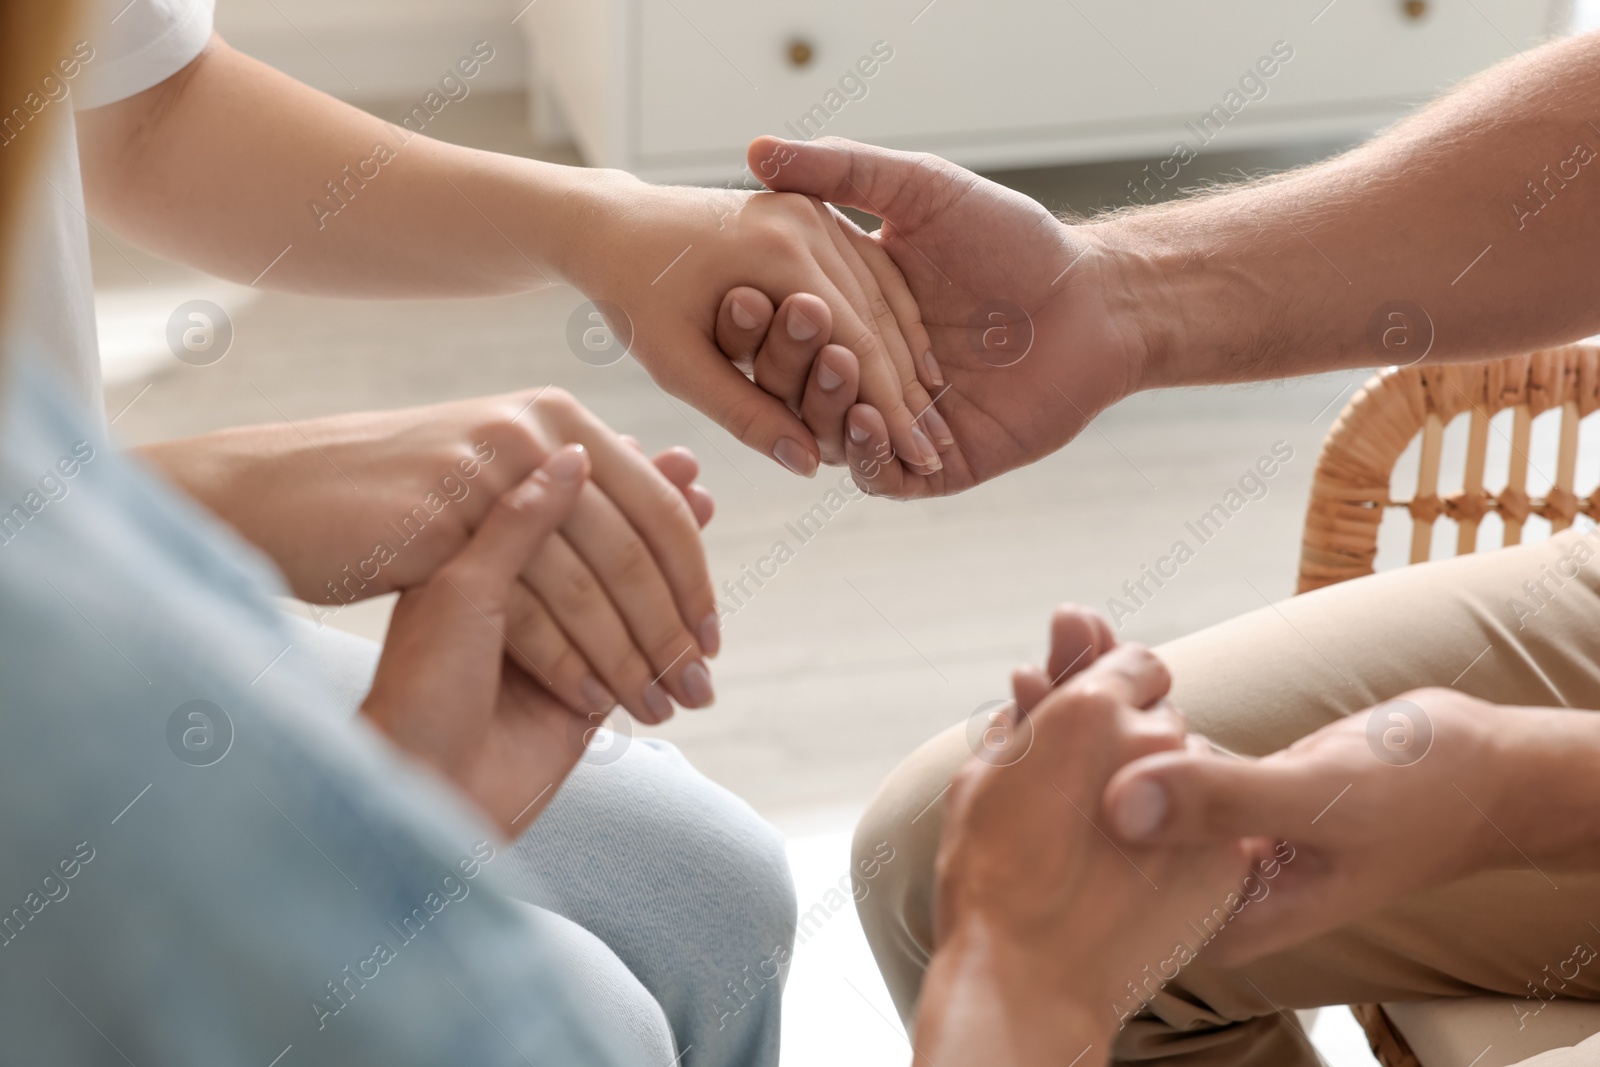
{"points": [[668, 257], [1404, 797], [445, 690], [617, 606]]}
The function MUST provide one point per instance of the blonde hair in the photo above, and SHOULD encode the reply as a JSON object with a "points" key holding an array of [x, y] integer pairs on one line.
{"points": [[31, 33]]}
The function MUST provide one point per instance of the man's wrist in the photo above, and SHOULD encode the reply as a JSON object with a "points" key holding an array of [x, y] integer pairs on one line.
{"points": [[1197, 315], [987, 990], [1547, 765]]}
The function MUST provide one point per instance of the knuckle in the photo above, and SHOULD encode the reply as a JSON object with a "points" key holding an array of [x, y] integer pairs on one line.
{"points": [[577, 586]]}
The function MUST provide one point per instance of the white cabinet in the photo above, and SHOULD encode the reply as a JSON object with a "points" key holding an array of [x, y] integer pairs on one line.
{"points": [[675, 89]]}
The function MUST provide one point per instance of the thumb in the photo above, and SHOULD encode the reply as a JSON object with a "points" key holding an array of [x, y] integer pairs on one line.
{"points": [[516, 525], [1185, 797], [898, 187]]}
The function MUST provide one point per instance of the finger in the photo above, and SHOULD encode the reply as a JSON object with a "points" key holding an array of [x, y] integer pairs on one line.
{"points": [[902, 188], [895, 375], [677, 464], [784, 362], [681, 468], [620, 560], [872, 459], [657, 511], [571, 593], [1029, 686], [721, 391], [1179, 797], [830, 392], [516, 528], [536, 643], [632, 442], [868, 328], [1132, 674], [903, 305], [742, 325], [1078, 637]]}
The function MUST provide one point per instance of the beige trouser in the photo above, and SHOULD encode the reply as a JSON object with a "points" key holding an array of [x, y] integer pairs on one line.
{"points": [[1254, 685]]}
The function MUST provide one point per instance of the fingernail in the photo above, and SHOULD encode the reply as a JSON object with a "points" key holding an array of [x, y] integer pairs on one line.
{"points": [[656, 702], [937, 426], [742, 318], [931, 364], [828, 378], [697, 684], [792, 454], [596, 696], [800, 327], [711, 634], [567, 465], [925, 449], [1140, 810], [858, 433]]}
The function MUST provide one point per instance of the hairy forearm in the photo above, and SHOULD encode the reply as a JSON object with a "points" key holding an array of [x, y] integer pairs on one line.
{"points": [[230, 165], [1476, 220]]}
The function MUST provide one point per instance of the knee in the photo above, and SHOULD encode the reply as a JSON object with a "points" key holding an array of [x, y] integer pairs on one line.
{"points": [[892, 861]]}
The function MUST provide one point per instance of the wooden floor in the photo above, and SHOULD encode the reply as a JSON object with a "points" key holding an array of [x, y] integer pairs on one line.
{"points": [[892, 623]]}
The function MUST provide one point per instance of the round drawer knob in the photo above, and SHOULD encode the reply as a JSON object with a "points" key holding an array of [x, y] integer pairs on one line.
{"points": [[800, 52], [1415, 9]]}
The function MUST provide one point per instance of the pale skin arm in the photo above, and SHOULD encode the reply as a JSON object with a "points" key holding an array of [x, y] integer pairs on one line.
{"points": [[227, 166]]}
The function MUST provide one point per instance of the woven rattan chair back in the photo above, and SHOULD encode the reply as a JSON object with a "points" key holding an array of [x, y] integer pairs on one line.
{"points": [[1350, 491]]}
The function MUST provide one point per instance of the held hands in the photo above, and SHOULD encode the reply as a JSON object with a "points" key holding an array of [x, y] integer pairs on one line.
{"points": [[446, 691], [656, 252], [615, 606], [1028, 318]]}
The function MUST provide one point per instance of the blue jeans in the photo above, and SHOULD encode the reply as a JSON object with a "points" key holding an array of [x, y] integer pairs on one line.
{"points": [[664, 871]]}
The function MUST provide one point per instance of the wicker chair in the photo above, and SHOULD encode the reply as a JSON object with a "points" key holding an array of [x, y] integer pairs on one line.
{"points": [[1350, 494]]}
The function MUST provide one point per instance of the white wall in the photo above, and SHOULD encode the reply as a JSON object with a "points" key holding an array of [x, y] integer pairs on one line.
{"points": [[361, 49]]}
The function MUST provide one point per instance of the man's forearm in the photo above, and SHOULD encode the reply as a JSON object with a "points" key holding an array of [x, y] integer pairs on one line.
{"points": [[1548, 789], [1469, 231], [229, 165]]}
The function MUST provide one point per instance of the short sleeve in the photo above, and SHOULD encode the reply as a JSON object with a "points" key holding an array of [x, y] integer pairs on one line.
{"points": [[136, 44]]}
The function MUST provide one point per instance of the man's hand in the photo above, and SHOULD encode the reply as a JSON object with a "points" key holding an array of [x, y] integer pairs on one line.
{"points": [[445, 691], [1409, 795], [617, 606], [1025, 314], [1040, 919]]}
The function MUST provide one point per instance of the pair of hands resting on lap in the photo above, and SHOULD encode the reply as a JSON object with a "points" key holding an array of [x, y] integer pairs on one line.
{"points": [[1083, 866]]}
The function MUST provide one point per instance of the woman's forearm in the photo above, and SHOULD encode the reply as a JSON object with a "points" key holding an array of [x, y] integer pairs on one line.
{"points": [[1469, 231], [241, 171]]}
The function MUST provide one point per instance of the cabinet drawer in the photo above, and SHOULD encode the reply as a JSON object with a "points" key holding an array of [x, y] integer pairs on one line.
{"points": [[711, 74]]}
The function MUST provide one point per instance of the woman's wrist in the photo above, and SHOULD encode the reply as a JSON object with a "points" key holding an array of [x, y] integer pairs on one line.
{"points": [[588, 206]]}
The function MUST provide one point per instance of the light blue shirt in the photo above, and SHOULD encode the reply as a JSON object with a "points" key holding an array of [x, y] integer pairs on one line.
{"points": [[201, 861]]}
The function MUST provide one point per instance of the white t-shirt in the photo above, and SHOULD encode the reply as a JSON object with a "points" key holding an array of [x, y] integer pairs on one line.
{"points": [[120, 49]]}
